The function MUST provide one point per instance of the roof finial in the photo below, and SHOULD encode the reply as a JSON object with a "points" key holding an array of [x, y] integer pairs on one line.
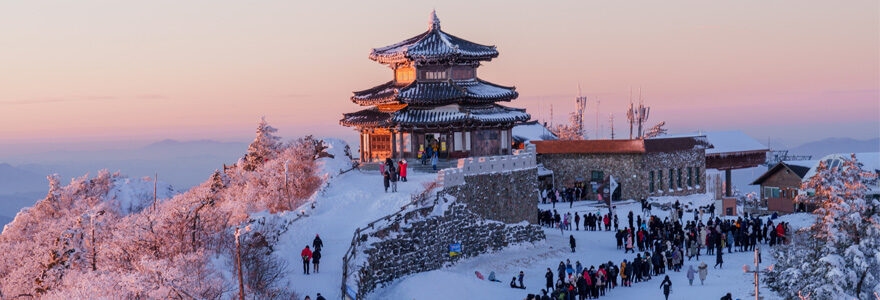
{"points": [[435, 22]]}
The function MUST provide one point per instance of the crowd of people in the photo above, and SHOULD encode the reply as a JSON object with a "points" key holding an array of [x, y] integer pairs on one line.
{"points": [[567, 221], [659, 245]]}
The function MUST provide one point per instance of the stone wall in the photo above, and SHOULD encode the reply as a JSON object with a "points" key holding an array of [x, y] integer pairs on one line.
{"points": [[508, 197], [661, 162], [423, 245], [568, 167], [631, 171]]}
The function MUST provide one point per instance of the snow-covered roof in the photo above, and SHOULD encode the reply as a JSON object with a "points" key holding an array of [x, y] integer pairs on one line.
{"points": [[802, 163], [532, 131], [727, 142], [870, 162], [447, 114], [436, 93], [433, 45]]}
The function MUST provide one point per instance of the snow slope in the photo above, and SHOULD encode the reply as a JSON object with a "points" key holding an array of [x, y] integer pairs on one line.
{"points": [[351, 200]]}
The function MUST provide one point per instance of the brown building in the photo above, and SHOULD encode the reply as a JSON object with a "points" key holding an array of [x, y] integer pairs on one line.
{"points": [[780, 184], [642, 168], [435, 100]]}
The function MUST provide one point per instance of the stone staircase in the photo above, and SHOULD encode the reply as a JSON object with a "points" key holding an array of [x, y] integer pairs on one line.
{"points": [[416, 165]]}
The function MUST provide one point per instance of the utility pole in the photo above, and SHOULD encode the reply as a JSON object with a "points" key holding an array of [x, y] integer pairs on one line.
{"points": [[630, 116], [238, 262], [597, 117], [611, 122], [155, 188], [287, 186]]}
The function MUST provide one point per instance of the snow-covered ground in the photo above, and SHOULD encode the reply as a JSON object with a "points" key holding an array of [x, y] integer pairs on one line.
{"points": [[355, 198], [594, 248], [351, 200]]}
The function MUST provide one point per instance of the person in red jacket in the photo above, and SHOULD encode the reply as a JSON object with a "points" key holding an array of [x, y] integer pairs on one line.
{"points": [[780, 233], [402, 168], [306, 255]]}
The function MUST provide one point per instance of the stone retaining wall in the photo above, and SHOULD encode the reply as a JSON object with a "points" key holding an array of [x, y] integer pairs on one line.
{"points": [[423, 245], [508, 197]]}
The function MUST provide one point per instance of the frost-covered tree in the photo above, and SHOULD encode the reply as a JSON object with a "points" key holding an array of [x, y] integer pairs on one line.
{"points": [[95, 237], [573, 131], [264, 147], [839, 256], [655, 131]]}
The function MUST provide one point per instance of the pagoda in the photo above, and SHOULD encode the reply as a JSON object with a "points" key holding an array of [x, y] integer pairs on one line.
{"points": [[435, 101]]}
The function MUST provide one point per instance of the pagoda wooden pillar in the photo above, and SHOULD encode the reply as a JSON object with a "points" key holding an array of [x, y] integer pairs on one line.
{"points": [[393, 143], [361, 151]]}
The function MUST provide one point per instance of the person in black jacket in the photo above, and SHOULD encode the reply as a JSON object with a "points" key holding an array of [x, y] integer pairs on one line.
{"points": [[316, 258], [549, 277], [317, 244], [666, 285], [572, 242]]}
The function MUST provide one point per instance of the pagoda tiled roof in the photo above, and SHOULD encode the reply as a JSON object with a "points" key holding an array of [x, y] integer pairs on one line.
{"points": [[433, 45], [487, 114], [470, 91]]}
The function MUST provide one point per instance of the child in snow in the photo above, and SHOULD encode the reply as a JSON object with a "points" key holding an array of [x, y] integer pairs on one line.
{"points": [[571, 242], [690, 275]]}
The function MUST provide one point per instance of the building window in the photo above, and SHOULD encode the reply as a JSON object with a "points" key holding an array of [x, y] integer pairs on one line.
{"points": [[597, 176], [679, 178], [771, 192], [435, 75], [457, 141], [697, 175], [405, 74], [651, 185], [460, 73], [671, 179], [660, 180], [690, 176]]}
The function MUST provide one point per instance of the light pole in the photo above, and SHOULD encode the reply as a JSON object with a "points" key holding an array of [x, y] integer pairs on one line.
{"points": [[238, 262], [756, 271]]}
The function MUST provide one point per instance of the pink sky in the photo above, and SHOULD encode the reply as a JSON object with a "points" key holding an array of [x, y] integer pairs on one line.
{"points": [[80, 71]]}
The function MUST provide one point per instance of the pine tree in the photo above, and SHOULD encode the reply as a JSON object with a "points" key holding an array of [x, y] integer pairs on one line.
{"points": [[838, 257], [264, 147]]}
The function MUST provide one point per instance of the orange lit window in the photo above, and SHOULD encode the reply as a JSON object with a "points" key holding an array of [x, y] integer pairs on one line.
{"points": [[405, 74]]}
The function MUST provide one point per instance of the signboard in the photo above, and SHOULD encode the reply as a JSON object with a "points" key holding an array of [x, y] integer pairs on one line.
{"points": [[454, 249], [350, 294], [613, 183]]}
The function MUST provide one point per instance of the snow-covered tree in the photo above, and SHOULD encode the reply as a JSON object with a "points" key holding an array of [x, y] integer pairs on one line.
{"points": [[655, 131], [264, 147], [573, 131], [94, 237], [839, 256]]}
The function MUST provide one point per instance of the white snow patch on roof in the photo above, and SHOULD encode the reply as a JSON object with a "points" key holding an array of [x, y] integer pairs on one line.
{"points": [[532, 132], [726, 141]]}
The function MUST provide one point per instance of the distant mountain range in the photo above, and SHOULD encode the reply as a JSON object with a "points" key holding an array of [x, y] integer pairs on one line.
{"points": [[182, 164], [827, 146]]}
